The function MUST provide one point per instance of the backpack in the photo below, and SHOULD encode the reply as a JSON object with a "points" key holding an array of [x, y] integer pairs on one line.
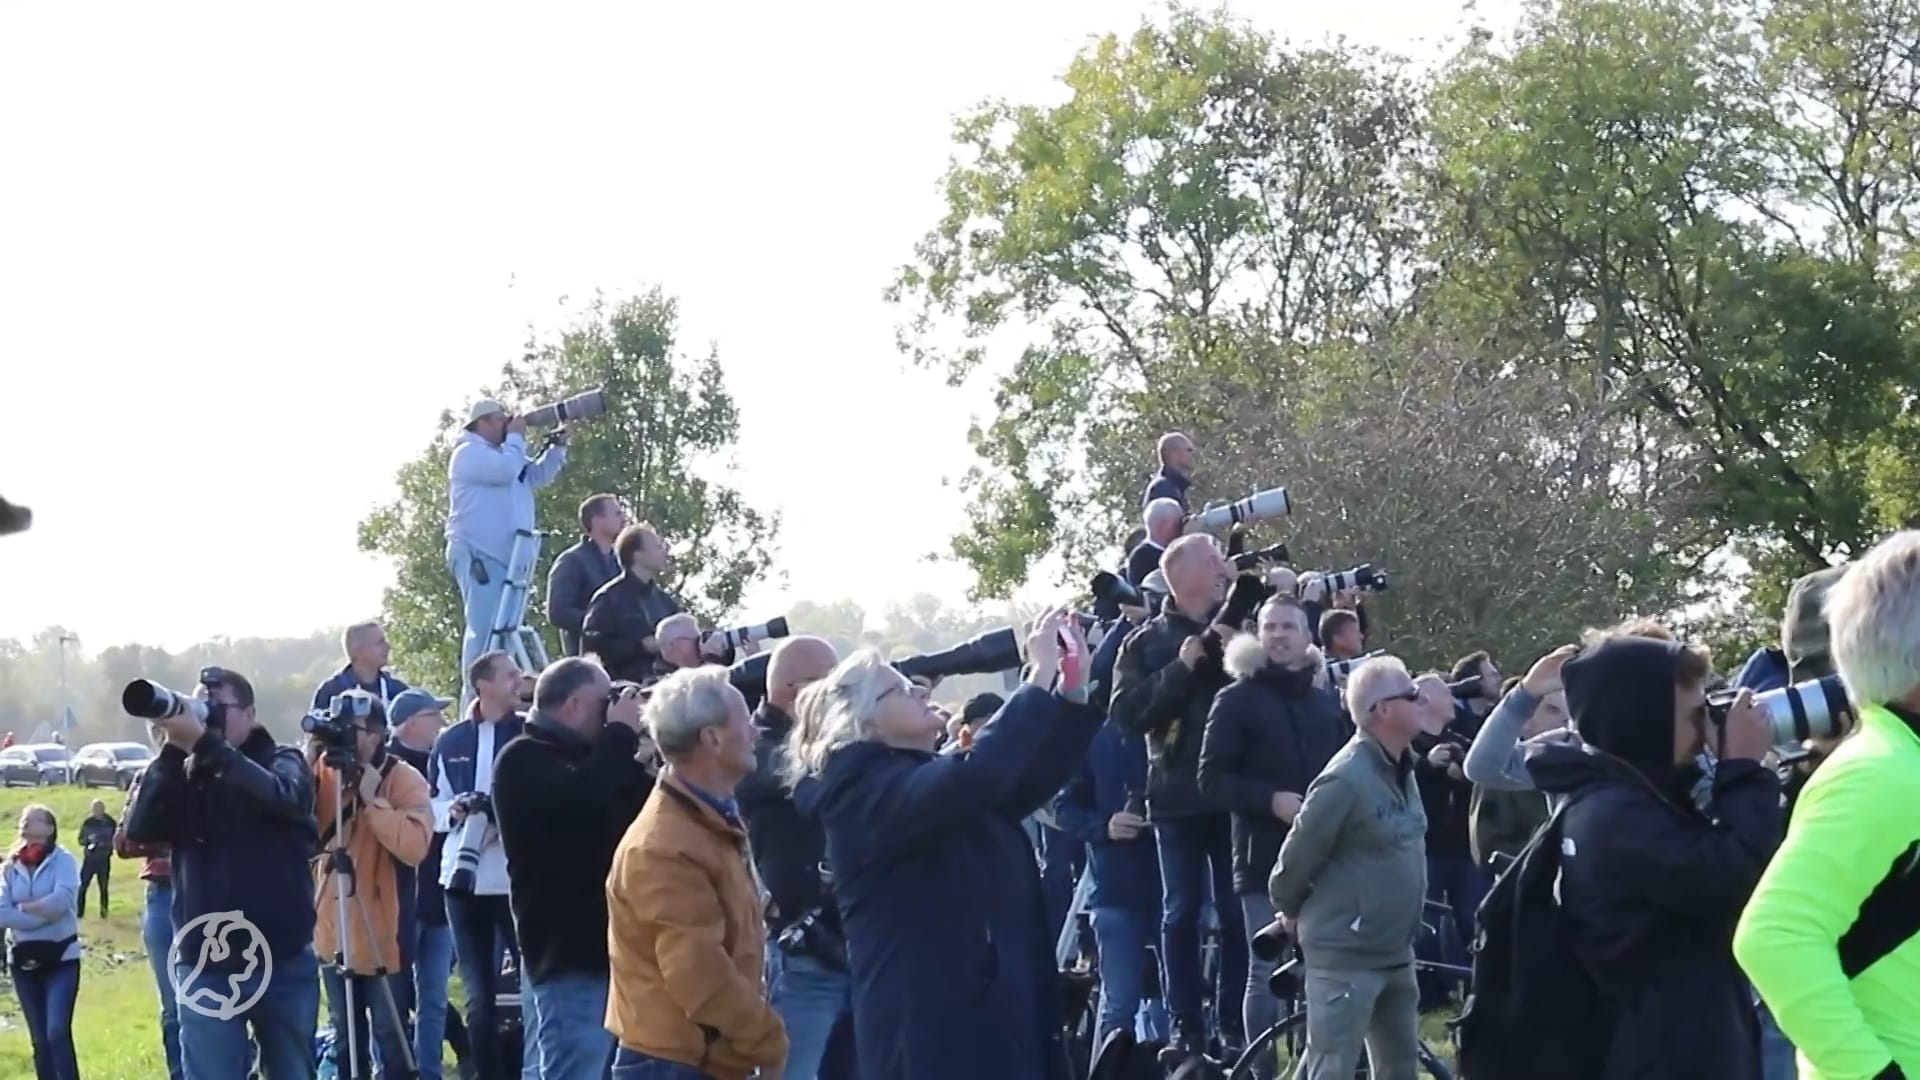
{"points": [[1532, 1011]]}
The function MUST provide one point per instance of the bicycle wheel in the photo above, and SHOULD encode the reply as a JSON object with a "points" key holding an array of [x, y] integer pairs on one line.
{"points": [[1285, 1042]]}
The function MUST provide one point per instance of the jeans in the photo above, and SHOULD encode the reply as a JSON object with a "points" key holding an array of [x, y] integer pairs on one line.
{"points": [[1458, 882], [1123, 936], [432, 966], [156, 932], [1777, 1061], [633, 1065], [94, 869], [369, 1000], [1261, 1008], [282, 1020], [1196, 861], [569, 1026], [815, 1003], [1351, 1010], [482, 929], [481, 603], [46, 1004]]}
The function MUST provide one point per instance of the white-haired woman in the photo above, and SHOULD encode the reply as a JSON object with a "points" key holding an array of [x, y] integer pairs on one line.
{"points": [[952, 962]]}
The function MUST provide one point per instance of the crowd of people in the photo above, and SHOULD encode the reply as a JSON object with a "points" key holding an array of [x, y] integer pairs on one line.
{"points": [[647, 867]]}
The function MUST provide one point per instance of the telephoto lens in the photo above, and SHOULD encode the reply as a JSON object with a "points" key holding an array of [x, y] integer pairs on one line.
{"points": [[741, 636], [1247, 560], [1363, 576], [150, 701], [590, 405], [1260, 506], [1338, 670], [1109, 587], [1815, 709], [466, 849]]}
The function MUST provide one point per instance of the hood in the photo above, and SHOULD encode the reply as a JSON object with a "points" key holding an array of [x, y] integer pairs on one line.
{"points": [[1560, 763], [1620, 696], [1246, 658]]}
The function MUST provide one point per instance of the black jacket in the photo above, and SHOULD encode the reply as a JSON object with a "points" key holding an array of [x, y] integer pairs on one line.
{"points": [[1167, 484], [577, 574], [562, 805], [1448, 801], [621, 616], [1271, 731], [1143, 560], [1651, 890], [789, 848], [240, 820], [96, 838], [427, 903], [1155, 695]]}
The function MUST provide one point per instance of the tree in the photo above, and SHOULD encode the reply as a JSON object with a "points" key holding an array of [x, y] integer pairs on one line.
{"points": [[668, 417]]}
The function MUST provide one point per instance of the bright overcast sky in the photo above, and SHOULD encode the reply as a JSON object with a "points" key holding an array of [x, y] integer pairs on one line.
{"points": [[249, 251]]}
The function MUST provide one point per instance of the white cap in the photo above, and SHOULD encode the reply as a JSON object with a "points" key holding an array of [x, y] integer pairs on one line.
{"points": [[484, 408]]}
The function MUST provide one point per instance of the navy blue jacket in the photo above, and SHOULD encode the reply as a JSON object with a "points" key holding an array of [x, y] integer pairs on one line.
{"points": [[240, 820], [450, 764], [952, 962], [387, 687], [1126, 873], [1167, 484], [1765, 670], [1100, 667]]}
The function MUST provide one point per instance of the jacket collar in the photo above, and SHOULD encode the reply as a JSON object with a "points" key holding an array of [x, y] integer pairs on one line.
{"points": [[1399, 769], [698, 807], [772, 720], [561, 736], [1179, 479]]}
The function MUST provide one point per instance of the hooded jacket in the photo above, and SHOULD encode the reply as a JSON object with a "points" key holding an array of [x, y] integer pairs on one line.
{"points": [[1650, 888], [1271, 731]]}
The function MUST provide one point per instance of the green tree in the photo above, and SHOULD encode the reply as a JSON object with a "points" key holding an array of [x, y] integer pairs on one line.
{"points": [[669, 417]]}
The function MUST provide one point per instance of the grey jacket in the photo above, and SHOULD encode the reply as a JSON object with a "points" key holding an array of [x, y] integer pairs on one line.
{"points": [[56, 879], [1353, 869]]}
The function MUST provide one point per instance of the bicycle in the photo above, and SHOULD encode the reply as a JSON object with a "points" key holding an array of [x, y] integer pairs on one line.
{"points": [[1285, 1041]]}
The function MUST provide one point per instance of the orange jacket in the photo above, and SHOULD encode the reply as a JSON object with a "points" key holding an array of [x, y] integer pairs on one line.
{"points": [[397, 824], [686, 940]]}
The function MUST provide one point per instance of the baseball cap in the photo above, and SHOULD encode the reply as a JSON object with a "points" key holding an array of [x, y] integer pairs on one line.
{"points": [[484, 408], [1804, 636], [409, 703]]}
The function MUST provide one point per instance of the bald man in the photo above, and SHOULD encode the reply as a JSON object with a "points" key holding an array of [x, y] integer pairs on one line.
{"points": [[1176, 471], [365, 644], [1161, 519], [810, 987]]}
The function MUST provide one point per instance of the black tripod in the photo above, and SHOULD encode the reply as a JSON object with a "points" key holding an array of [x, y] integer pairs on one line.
{"points": [[339, 865]]}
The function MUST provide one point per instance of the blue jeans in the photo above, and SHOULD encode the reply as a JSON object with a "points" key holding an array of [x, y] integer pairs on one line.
{"points": [[1460, 883], [432, 967], [815, 1003], [633, 1065], [369, 1000], [569, 1027], [46, 1004], [481, 603], [482, 929], [282, 1020], [1123, 936], [1777, 1061], [156, 932], [1196, 868]]}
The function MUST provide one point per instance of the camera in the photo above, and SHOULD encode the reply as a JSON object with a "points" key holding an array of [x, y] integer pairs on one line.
{"points": [[590, 405], [337, 726], [150, 701], [1248, 560], [1110, 588], [1815, 709], [741, 636], [1469, 689], [469, 842], [621, 688], [1363, 576], [1261, 505], [1338, 670]]}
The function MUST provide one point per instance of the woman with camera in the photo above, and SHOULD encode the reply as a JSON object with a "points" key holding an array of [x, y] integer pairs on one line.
{"points": [[39, 897], [952, 965]]}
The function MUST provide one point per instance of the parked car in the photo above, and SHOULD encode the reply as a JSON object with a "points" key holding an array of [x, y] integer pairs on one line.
{"points": [[38, 765], [110, 764]]}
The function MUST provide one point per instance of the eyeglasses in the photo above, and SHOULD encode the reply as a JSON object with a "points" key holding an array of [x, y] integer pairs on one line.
{"points": [[1411, 695], [919, 692]]}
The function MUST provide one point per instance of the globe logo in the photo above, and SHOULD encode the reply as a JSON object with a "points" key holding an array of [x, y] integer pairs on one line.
{"points": [[223, 935]]}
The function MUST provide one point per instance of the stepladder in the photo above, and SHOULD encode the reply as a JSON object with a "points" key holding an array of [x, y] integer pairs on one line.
{"points": [[510, 630]]}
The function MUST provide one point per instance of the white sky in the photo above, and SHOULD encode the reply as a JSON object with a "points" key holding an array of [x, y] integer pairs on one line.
{"points": [[255, 249]]}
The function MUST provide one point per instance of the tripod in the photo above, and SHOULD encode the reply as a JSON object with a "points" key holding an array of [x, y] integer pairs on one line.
{"points": [[510, 631], [339, 865]]}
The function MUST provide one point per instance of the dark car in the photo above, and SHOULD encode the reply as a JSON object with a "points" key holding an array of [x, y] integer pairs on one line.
{"points": [[38, 765], [110, 764]]}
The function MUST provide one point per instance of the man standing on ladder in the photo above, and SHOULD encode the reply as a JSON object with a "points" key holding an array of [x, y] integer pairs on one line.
{"points": [[491, 541]]}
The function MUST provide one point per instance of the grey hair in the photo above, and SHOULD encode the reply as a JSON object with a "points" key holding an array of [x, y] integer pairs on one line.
{"points": [[352, 633], [1160, 510], [1367, 685], [678, 625], [1873, 615], [564, 678], [837, 711], [686, 703]]}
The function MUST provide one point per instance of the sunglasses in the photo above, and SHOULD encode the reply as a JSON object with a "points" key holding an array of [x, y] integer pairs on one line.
{"points": [[1411, 695]]}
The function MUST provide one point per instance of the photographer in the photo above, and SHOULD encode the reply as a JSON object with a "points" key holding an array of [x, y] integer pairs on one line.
{"points": [[156, 927], [1176, 471], [683, 647], [238, 811], [367, 655], [579, 571], [1453, 878], [386, 816], [564, 793], [460, 771], [426, 945], [811, 989], [622, 616], [1165, 680], [490, 484], [1829, 936]]}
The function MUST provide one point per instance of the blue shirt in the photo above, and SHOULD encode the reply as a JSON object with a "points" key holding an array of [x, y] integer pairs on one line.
{"points": [[490, 490], [726, 808]]}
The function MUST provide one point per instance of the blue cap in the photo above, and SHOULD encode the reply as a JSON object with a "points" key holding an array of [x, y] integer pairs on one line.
{"points": [[409, 703]]}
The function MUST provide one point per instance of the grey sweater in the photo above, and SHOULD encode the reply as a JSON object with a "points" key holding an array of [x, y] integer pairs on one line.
{"points": [[1498, 757], [1353, 869]]}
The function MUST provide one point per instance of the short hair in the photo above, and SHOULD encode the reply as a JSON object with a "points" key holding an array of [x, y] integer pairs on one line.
{"points": [[1693, 664], [1873, 616], [593, 506], [1367, 685], [1160, 510], [630, 541], [1640, 626], [1334, 622], [1177, 550], [1167, 442], [686, 703], [241, 686], [1281, 600], [482, 667], [981, 707], [1468, 666], [563, 679], [348, 636], [675, 626]]}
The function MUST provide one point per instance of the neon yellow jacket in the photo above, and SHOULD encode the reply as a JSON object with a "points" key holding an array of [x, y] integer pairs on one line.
{"points": [[1856, 816]]}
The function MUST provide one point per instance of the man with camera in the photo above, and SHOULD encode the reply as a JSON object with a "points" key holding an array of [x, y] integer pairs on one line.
{"points": [[426, 945], [622, 616], [811, 989], [237, 809], [1176, 471], [564, 793], [474, 865], [1165, 680], [490, 484], [365, 644], [372, 809], [1831, 935], [579, 571]]}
